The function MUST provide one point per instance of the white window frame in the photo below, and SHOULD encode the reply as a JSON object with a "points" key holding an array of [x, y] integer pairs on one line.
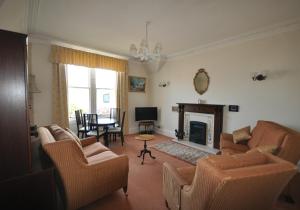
{"points": [[92, 89]]}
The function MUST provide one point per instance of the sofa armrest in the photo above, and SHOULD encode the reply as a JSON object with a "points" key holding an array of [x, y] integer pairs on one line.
{"points": [[88, 141], [290, 148], [226, 141], [95, 180]]}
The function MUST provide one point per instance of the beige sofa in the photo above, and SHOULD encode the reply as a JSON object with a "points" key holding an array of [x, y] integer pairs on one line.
{"points": [[88, 170], [251, 181], [270, 133]]}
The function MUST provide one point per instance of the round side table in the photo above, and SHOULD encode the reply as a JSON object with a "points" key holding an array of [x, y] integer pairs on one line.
{"points": [[145, 138]]}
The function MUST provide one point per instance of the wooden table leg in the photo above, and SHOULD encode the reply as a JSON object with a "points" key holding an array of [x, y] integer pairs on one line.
{"points": [[106, 136]]}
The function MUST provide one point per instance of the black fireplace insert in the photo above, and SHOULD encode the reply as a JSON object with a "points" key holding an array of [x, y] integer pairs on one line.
{"points": [[198, 132]]}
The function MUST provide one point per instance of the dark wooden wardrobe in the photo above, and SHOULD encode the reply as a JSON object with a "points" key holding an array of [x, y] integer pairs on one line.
{"points": [[24, 184]]}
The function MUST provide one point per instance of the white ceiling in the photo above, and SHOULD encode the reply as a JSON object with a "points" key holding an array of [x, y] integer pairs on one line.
{"points": [[112, 25]]}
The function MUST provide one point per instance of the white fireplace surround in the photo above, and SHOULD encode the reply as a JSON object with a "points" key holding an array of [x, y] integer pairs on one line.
{"points": [[206, 118]]}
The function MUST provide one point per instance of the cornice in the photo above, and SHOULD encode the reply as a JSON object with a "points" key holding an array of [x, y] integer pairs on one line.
{"points": [[47, 40], [291, 25]]}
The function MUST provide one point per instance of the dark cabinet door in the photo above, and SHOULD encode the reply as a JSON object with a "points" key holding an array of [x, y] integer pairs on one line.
{"points": [[14, 126]]}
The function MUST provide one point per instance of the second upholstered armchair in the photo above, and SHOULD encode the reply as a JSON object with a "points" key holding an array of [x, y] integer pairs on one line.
{"points": [[245, 181]]}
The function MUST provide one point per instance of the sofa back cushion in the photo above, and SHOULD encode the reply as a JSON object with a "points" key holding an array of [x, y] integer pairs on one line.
{"points": [[61, 134], [267, 133]]}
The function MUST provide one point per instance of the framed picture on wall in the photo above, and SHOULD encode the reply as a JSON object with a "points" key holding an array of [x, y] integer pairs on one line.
{"points": [[137, 84]]}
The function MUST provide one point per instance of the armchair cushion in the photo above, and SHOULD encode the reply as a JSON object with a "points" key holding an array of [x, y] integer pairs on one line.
{"points": [[241, 134]]}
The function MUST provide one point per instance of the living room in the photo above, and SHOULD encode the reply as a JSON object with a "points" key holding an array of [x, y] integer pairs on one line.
{"points": [[248, 51]]}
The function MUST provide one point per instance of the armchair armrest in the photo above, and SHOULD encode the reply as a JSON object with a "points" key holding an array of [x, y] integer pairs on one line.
{"points": [[172, 185], [88, 141]]}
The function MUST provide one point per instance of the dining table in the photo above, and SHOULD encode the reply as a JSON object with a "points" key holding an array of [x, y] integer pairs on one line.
{"points": [[105, 123]]}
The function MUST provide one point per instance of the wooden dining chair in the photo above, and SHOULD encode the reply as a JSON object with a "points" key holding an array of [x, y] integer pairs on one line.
{"points": [[79, 123], [113, 132], [115, 114], [91, 125]]}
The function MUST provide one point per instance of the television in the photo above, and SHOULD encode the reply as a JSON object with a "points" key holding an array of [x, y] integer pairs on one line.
{"points": [[145, 113]]}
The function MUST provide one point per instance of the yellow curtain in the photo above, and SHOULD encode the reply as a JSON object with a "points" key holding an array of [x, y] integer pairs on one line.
{"points": [[59, 96], [63, 55], [122, 96]]}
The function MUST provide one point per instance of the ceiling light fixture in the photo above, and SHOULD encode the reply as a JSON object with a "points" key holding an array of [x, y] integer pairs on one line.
{"points": [[144, 54]]}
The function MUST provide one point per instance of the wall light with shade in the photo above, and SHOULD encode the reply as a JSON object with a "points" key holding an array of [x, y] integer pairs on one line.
{"points": [[164, 84], [259, 76]]}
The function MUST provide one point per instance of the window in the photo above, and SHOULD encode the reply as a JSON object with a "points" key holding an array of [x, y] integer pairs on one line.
{"points": [[106, 91], [92, 90]]}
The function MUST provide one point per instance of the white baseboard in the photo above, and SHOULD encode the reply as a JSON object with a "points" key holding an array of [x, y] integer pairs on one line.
{"points": [[165, 132], [133, 130]]}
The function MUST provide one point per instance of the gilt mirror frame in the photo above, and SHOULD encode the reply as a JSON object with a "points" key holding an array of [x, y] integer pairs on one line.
{"points": [[203, 73]]}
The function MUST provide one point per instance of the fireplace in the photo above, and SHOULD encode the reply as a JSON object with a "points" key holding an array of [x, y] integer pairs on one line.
{"points": [[198, 132], [214, 128]]}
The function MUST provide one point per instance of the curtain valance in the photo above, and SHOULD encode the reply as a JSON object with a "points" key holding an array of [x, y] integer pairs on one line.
{"points": [[63, 55]]}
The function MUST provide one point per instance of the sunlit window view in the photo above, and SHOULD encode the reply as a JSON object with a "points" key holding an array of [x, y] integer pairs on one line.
{"points": [[91, 90], [106, 91], [79, 89]]}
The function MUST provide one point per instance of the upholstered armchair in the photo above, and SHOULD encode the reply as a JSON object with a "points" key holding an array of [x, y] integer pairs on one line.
{"points": [[244, 181]]}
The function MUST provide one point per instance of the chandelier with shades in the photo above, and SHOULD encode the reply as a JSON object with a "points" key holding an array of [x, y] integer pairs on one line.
{"points": [[144, 53]]}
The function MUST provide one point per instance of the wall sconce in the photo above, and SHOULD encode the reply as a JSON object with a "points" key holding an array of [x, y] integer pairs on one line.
{"points": [[163, 84], [259, 76]]}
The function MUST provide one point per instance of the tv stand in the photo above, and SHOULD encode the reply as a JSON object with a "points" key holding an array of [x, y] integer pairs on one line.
{"points": [[148, 125]]}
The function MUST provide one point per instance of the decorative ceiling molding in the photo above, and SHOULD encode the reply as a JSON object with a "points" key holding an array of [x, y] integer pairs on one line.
{"points": [[291, 25], [47, 40], [32, 15]]}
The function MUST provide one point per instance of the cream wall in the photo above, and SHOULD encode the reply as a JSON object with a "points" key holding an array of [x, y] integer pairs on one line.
{"points": [[229, 69], [42, 69], [13, 16], [136, 99]]}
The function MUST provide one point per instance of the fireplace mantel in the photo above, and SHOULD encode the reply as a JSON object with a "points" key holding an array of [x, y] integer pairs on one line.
{"points": [[215, 109]]}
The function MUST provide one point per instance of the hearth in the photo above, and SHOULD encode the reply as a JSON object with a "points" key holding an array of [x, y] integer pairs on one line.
{"points": [[198, 132]]}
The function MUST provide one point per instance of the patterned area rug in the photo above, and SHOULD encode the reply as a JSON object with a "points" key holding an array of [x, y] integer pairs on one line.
{"points": [[180, 151]]}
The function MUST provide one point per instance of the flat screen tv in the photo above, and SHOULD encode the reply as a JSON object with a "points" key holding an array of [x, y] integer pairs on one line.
{"points": [[145, 113]]}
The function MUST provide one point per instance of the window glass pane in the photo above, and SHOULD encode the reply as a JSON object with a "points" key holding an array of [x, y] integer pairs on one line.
{"points": [[79, 98], [106, 99], [78, 76], [105, 78]]}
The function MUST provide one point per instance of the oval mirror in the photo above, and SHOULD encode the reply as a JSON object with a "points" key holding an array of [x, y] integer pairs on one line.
{"points": [[201, 81]]}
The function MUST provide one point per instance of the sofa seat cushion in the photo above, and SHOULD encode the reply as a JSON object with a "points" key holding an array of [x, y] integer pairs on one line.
{"points": [[230, 151], [228, 143], [267, 133], [103, 156], [94, 149], [273, 149]]}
